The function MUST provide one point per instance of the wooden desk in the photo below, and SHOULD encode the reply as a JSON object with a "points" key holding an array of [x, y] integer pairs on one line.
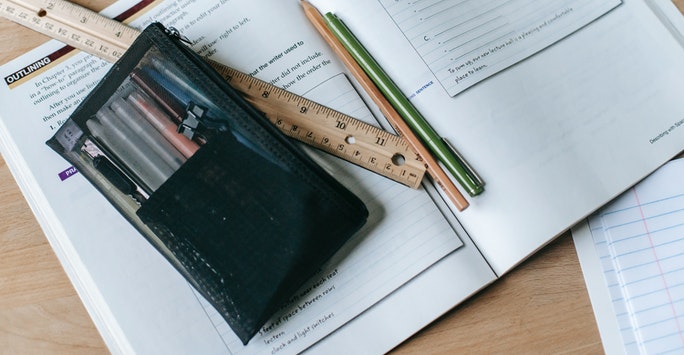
{"points": [[541, 307]]}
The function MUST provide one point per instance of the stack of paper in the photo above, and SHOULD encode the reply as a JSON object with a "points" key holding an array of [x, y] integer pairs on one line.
{"points": [[632, 255]]}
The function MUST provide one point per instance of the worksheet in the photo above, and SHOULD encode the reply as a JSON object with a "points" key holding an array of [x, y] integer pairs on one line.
{"points": [[465, 42]]}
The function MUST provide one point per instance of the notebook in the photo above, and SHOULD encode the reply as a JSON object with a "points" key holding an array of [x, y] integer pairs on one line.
{"points": [[638, 248]]}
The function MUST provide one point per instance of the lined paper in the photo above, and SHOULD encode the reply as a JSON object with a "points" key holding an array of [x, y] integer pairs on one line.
{"points": [[466, 41], [624, 337], [644, 235]]}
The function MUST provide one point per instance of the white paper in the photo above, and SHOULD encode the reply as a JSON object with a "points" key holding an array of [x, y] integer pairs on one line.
{"points": [[630, 252], [644, 230], [465, 42], [557, 135], [610, 310]]}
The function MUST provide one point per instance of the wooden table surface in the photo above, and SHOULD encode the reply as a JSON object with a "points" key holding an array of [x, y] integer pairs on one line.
{"points": [[540, 307]]}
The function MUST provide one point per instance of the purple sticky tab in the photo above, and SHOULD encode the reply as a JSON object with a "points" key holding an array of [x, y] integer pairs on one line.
{"points": [[67, 173]]}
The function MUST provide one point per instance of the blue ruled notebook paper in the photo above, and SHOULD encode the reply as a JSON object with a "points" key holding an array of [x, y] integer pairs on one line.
{"points": [[644, 235]]}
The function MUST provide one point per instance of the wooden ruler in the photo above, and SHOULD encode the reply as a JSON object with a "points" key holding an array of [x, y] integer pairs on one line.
{"points": [[316, 125]]}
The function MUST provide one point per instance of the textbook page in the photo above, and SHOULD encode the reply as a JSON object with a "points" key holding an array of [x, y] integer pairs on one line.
{"points": [[556, 135], [137, 300]]}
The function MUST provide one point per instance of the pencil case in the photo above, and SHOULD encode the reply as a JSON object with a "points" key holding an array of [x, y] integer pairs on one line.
{"points": [[234, 205]]}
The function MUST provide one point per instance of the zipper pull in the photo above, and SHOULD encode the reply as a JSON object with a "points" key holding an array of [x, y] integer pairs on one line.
{"points": [[173, 32]]}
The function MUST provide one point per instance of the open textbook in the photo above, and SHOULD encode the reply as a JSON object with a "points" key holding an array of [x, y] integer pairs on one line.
{"points": [[564, 110]]}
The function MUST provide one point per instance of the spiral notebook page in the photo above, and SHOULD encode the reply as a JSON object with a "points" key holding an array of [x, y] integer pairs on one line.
{"points": [[644, 230]]}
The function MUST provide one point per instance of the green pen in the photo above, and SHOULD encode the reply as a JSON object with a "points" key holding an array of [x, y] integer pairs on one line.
{"points": [[443, 151]]}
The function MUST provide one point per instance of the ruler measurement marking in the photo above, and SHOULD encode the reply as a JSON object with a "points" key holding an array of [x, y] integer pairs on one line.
{"points": [[302, 119]]}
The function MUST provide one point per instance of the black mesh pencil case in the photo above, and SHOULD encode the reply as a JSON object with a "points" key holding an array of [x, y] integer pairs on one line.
{"points": [[235, 206]]}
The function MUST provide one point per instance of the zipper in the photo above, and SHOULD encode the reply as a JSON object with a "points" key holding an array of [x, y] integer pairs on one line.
{"points": [[174, 33]]}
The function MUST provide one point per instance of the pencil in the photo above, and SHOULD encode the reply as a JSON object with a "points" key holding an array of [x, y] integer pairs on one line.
{"points": [[419, 125], [432, 166]]}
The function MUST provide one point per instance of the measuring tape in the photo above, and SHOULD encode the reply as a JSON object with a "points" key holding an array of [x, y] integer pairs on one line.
{"points": [[309, 122]]}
